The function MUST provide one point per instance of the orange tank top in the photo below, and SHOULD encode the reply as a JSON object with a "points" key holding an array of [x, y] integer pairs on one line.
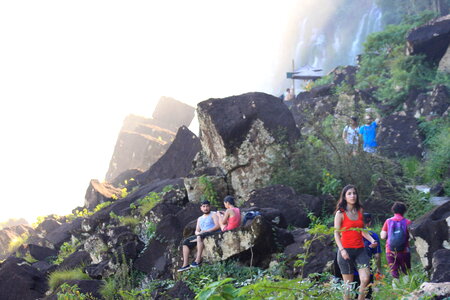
{"points": [[352, 238]]}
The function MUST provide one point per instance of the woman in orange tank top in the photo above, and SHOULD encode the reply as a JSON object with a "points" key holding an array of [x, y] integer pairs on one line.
{"points": [[351, 253], [232, 217]]}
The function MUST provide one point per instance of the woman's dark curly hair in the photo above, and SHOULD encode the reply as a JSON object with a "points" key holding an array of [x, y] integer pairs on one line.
{"points": [[342, 203]]}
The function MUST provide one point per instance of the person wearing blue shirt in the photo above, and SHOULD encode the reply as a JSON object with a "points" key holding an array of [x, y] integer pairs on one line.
{"points": [[369, 133]]}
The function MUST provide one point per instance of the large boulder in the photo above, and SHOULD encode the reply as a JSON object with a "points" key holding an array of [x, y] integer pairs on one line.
{"points": [[320, 253], [20, 281], [98, 192], [180, 291], [431, 233], [399, 136], [431, 39], [440, 271], [432, 104], [284, 199], [172, 113], [431, 290], [255, 239], [444, 64], [36, 251], [177, 161], [198, 182], [63, 233], [242, 134], [87, 287], [75, 260]]}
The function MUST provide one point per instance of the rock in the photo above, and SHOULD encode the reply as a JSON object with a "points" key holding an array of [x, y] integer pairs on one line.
{"points": [[256, 240], [20, 281], [47, 226], [399, 136], [444, 63], [431, 39], [143, 141], [126, 178], [37, 252], [97, 271], [321, 254], [346, 74], [196, 184], [437, 190], [284, 199], [429, 290], [173, 113], [431, 233], [176, 162], [179, 291], [98, 193], [440, 271], [97, 248], [62, 234], [159, 258], [44, 267], [437, 201], [429, 104], [75, 260], [242, 134], [381, 199]]}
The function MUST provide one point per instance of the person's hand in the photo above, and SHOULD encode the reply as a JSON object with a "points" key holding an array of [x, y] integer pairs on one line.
{"points": [[373, 245], [344, 254]]}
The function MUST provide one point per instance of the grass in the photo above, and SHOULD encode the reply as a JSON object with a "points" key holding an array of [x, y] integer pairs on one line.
{"points": [[18, 241], [57, 278], [129, 221]]}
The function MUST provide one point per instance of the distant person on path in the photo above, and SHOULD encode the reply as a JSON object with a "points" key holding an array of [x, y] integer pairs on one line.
{"points": [[369, 133], [207, 225], [350, 135], [288, 95], [351, 252], [396, 231], [231, 219]]}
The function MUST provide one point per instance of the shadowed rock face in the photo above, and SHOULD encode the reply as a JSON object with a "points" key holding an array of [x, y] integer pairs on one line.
{"points": [[440, 271], [9, 234], [431, 39], [431, 233], [241, 135], [177, 161], [143, 141]]}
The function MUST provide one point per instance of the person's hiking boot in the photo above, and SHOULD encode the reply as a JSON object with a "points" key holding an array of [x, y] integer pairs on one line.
{"points": [[195, 264], [187, 267]]}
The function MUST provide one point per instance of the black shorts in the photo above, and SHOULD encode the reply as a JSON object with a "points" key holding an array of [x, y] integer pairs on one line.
{"points": [[358, 260], [191, 241]]}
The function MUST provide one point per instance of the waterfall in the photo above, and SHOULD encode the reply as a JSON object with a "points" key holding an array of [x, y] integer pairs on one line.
{"points": [[329, 40]]}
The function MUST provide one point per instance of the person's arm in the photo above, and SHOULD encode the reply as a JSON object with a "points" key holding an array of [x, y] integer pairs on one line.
{"points": [[225, 217], [337, 235], [216, 222], [383, 233], [197, 228], [367, 236]]}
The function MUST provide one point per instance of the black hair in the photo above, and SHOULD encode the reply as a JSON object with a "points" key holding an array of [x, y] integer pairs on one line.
{"points": [[354, 119], [205, 202], [399, 208], [229, 199], [342, 203]]}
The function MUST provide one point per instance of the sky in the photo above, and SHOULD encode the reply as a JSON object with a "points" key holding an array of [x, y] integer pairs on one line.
{"points": [[70, 71]]}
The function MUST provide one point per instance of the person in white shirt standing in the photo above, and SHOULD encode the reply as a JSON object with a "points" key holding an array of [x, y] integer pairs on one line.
{"points": [[351, 135]]}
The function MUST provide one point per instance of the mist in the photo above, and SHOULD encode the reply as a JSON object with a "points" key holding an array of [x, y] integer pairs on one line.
{"points": [[71, 71]]}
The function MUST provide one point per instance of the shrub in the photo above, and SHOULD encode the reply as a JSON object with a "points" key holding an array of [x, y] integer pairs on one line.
{"points": [[56, 278], [66, 249], [72, 292], [209, 193], [148, 202], [102, 206], [128, 221]]}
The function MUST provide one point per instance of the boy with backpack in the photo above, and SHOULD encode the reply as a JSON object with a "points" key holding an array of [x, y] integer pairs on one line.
{"points": [[395, 229]]}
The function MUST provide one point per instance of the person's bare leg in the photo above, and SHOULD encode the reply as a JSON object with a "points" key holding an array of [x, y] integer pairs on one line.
{"points": [[200, 246], [348, 279], [364, 277], [186, 251]]}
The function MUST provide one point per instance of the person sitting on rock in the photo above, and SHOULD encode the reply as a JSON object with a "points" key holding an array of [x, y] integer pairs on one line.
{"points": [[207, 225], [231, 219]]}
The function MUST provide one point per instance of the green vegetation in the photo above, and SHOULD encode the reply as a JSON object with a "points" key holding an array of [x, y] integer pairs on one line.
{"points": [[209, 192], [56, 278], [72, 292], [146, 203], [66, 249]]}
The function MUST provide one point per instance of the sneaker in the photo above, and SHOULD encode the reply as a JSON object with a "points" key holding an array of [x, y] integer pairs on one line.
{"points": [[195, 264], [184, 268]]}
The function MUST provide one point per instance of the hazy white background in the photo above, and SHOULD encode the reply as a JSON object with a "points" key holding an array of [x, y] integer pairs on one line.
{"points": [[70, 71]]}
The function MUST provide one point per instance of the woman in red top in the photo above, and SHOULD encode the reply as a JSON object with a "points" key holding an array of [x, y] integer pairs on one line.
{"points": [[351, 254], [232, 217]]}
